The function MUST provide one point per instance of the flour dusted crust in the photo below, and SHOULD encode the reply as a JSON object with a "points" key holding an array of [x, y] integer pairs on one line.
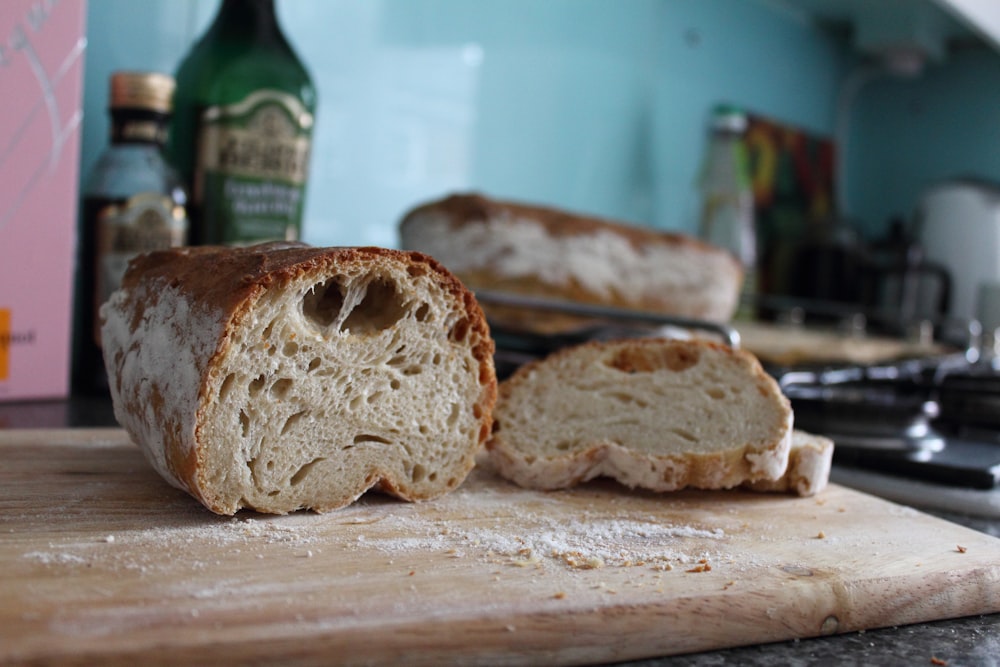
{"points": [[545, 252], [280, 377], [651, 413]]}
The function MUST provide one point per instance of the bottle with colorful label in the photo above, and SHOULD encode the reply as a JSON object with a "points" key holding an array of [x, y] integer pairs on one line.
{"points": [[242, 128], [133, 202]]}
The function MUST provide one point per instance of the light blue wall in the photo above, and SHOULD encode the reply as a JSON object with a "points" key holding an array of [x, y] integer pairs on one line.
{"points": [[910, 133], [593, 105]]}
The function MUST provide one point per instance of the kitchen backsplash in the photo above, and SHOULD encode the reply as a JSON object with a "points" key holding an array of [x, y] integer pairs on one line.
{"points": [[594, 105]]}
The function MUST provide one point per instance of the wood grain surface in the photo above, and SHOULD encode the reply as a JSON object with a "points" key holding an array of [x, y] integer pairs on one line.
{"points": [[104, 563]]}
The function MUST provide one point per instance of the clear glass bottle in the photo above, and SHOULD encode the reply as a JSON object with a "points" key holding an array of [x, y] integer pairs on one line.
{"points": [[727, 217], [133, 202], [242, 128]]}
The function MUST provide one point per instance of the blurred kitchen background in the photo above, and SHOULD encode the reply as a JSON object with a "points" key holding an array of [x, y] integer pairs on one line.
{"points": [[598, 106], [860, 109]]}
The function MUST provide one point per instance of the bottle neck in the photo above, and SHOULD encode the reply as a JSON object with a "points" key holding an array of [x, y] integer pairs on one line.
{"points": [[256, 19], [138, 127]]}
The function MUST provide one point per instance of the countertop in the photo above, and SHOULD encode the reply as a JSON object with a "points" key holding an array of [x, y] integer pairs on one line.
{"points": [[965, 641]]}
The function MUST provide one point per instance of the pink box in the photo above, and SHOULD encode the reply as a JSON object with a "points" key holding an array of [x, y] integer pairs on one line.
{"points": [[42, 48]]}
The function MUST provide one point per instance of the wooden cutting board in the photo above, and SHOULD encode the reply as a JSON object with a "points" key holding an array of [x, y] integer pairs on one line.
{"points": [[103, 563]]}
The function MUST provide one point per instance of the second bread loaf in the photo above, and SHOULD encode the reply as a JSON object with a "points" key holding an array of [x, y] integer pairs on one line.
{"points": [[651, 413], [545, 252]]}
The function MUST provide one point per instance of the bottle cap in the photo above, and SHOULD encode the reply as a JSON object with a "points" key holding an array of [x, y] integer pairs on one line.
{"points": [[142, 90], [729, 119]]}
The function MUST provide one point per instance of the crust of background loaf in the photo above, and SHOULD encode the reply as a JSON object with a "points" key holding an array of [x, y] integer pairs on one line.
{"points": [[669, 472], [716, 304], [211, 289], [462, 209]]}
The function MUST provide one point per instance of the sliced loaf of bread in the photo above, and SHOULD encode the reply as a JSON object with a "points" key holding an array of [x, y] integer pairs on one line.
{"points": [[651, 413], [281, 376]]}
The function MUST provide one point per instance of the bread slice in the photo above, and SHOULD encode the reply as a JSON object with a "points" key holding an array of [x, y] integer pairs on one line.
{"points": [[652, 413], [280, 377], [809, 464], [538, 251]]}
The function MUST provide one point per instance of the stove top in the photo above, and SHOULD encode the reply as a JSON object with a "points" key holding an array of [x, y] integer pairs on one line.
{"points": [[934, 426]]}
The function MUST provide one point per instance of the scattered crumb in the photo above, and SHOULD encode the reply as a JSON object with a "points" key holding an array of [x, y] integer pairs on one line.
{"points": [[938, 661], [412, 572], [702, 566], [728, 585], [109, 539], [561, 595], [581, 561], [820, 535], [960, 549]]}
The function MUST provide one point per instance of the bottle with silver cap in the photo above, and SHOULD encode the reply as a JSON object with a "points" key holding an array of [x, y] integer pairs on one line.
{"points": [[133, 202], [727, 217]]}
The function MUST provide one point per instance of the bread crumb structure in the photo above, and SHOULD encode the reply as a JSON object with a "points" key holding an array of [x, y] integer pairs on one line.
{"points": [[656, 414], [281, 377]]}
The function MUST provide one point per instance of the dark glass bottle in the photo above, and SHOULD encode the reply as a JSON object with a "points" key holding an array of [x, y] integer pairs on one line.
{"points": [[133, 201], [242, 128]]}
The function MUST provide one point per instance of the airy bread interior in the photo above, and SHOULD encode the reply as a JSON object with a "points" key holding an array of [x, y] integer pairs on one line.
{"points": [[651, 413], [281, 376], [328, 388]]}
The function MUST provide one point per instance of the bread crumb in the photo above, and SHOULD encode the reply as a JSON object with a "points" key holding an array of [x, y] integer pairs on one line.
{"points": [[960, 549], [820, 535], [561, 595], [582, 561], [938, 661], [702, 566]]}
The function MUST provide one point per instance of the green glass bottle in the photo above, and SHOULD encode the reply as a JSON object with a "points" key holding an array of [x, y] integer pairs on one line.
{"points": [[242, 128]]}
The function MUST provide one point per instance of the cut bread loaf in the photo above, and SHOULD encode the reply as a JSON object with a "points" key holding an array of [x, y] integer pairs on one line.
{"points": [[808, 471], [651, 413], [280, 376], [544, 252]]}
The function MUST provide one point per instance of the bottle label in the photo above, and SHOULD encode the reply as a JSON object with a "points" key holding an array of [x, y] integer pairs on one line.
{"points": [[139, 131], [251, 168], [141, 223]]}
